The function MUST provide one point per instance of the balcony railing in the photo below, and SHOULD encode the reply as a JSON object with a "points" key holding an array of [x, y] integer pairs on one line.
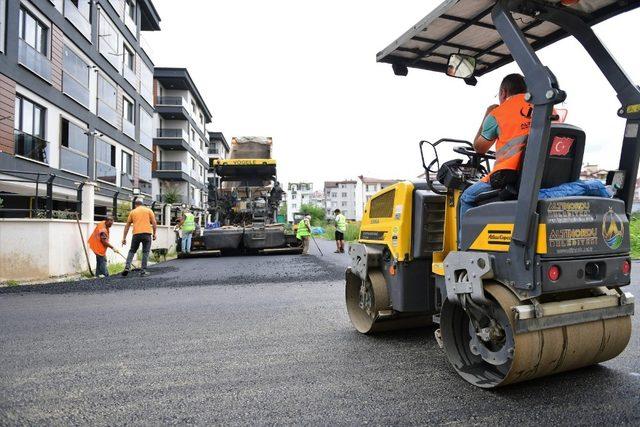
{"points": [[75, 90], [145, 187], [107, 113], [31, 147], [72, 13], [172, 166], [105, 172], [128, 128], [213, 151], [130, 76], [170, 133], [74, 162], [171, 100], [126, 180], [34, 60]]}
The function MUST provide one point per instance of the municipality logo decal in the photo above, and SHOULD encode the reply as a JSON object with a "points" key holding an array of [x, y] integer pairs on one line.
{"points": [[612, 229]]}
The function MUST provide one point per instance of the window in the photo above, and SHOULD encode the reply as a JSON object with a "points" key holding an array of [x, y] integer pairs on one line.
{"points": [[193, 107], [29, 134], [334, 194], [109, 40], [29, 117], [201, 119], [75, 77], [144, 175], [105, 161], [78, 12], [344, 194], [146, 129], [126, 168], [3, 22], [130, 9], [344, 204], [193, 135], [74, 152], [129, 58], [146, 83], [33, 32], [193, 164], [107, 101], [127, 110]]}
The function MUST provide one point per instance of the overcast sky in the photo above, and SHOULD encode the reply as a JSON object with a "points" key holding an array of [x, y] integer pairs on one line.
{"points": [[305, 74]]}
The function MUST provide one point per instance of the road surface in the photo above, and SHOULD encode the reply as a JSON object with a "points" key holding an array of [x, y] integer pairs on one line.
{"points": [[259, 340]]}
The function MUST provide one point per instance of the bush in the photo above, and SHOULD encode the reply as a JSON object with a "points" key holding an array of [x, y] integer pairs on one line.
{"points": [[634, 233], [318, 217], [352, 234], [123, 212]]}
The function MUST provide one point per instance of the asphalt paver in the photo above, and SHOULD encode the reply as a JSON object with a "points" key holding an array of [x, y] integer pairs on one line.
{"points": [[259, 340]]}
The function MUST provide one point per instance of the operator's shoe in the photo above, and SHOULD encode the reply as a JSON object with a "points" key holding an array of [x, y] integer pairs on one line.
{"points": [[125, 272], [144, 273], [337, 252]]}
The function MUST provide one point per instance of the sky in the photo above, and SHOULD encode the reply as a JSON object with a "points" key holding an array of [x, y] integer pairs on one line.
{"points": [[305, 74]]}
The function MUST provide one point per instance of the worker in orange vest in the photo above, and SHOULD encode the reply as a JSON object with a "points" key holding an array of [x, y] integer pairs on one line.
{"points": [[507, 125], [99, 242]]}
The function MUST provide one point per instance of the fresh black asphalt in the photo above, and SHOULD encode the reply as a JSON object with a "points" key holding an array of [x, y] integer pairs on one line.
{"points": [[259, 340]]}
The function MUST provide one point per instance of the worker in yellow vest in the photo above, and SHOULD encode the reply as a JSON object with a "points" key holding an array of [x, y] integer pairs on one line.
{"points": [[341, 228], [188, 225], [304, 233]]}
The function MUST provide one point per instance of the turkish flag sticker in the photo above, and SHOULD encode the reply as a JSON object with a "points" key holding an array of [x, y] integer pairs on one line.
{"points": [[561, 146]]}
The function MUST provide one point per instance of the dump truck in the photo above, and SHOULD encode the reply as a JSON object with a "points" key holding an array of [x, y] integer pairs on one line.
{"points": [[245, 203], [519, 287]]}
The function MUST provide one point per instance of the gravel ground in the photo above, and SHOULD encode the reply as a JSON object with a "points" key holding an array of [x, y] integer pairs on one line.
{"points": [[258, 340]]}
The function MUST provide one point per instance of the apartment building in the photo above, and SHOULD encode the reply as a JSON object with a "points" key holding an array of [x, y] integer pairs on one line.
{"points": [[181, 142], [367, 187], [77, 97], [298, 194], [340, 195], [218, 150]]}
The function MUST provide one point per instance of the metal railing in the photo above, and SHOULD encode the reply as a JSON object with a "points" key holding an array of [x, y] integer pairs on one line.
{"points": [[171, 100], [170, 133], [172, 166], [72, 13], [30, 146]]}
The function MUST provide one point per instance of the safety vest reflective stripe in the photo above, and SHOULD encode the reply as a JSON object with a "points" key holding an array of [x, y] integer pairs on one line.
{"points": [[510, 149], [189, 223]]}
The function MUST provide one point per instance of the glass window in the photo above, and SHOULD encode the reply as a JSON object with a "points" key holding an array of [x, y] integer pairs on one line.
{"points": [[146, 83], [30, 117], [109, 40], [146, 129], [107, 100], [75, 77], [130, 9], [33, 32], [127, 110], [127, 163], [3, 20], [129, 58], [105, 161], [145, 169], [74, 155]]}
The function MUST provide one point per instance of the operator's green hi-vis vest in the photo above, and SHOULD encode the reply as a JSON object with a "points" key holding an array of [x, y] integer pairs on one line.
{"points": [[303, 230], [189, 223], [341, 223]]}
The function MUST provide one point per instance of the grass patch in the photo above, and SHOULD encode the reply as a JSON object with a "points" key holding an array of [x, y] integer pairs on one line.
{"points": [[634, 233], [352, 234], [12, 283], [115, 268]]}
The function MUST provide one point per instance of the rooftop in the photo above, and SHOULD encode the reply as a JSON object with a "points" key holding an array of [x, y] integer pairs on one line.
{"points": [[329, 184], [180, 79], [219, 136], [150, 16], [367, 180]]}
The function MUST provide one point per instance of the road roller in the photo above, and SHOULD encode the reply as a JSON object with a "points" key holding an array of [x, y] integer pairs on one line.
{"points": [[522, 286]]}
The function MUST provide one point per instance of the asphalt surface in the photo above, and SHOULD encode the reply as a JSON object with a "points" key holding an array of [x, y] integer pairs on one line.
{"points": [[259, 340]]}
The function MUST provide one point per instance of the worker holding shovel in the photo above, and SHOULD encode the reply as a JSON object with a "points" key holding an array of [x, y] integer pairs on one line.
{"points": [[99, 243], [304, 233]]}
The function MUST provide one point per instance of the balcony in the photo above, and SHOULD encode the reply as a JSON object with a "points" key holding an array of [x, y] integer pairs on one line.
{"points": [[106, 173], [74, 162], [131, 25], [172, 108], [128, 128], [171, 139], [31, 147], [126, 180], [78, 20], [172, 171], [130, 76], [34, 60], [172, 166], [75, 90], [107, 113]]}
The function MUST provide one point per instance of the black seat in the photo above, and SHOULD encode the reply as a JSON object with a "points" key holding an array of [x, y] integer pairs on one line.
{"points": [[564, 161]]}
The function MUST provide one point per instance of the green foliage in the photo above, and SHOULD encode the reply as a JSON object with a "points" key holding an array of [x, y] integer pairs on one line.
{"points": [[634, 233], [1, 202], [171, 195], [11, 283], [115, 268], [318, 216], [123, 212], [352, 234]]}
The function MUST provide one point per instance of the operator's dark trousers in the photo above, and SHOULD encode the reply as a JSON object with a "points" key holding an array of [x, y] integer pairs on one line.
{"points": [[143, 239]]}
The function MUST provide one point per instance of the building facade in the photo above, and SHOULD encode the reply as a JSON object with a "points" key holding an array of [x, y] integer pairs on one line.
{"points": [[77, 97], [340, 195], [181, 142], [367, 187], [218, 150], [298, 194]]}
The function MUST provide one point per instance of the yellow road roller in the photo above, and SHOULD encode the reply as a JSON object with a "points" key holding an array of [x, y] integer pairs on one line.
{"points": [[521, 287]]}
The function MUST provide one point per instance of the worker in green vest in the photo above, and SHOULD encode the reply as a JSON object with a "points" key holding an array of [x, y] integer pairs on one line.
{"points": [[341, 228], [304, 233], [188, 225]]}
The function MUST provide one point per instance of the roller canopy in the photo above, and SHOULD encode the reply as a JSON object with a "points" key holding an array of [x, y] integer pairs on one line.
{"points": [[245, 169], [466, 27]]}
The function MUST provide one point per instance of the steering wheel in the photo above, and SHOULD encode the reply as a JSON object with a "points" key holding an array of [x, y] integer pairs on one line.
{"points": [[472, 154]]}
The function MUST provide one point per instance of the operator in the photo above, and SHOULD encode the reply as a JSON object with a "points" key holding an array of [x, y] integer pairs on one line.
{"points": [[188, 225], [507, 125], [341, 228], [144, 224]]}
